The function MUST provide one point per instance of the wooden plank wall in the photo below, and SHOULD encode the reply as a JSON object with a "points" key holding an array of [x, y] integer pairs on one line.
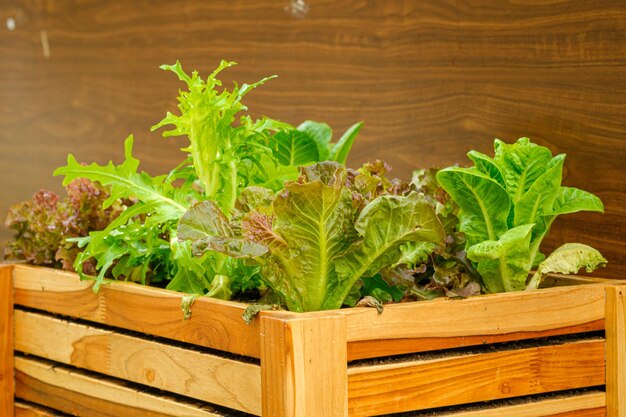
{"points": [[431, 79]]}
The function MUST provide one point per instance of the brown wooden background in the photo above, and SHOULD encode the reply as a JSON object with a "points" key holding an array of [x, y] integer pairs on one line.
{"points": [[431, 79]]}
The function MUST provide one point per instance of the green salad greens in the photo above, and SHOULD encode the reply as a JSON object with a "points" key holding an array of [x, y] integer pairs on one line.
{"points": [[315, 239], [261, 210], [227, 152], [508, 204]]}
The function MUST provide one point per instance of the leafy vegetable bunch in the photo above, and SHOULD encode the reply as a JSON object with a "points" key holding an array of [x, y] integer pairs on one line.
{"points": [[319, 236], [507, 206], [227, 152], [263, 207], [42, 225]]}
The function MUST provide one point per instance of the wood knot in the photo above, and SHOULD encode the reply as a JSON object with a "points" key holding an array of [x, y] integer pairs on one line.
{"points": [[505, 388], [150, 374]]}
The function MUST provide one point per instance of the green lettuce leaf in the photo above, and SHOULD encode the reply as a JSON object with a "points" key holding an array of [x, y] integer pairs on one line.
{"points": [[315, 250], [571, 200], [484, 203], [294, 148], [315, 219], [341, 149], [220, 288], [133, 242], [538, 200], [191, 275], [385, 225], [221, 149], [487, 166], [521, 164], [311, 142], [568, 259], [321, 134], [504, 263], [508, 205], [126, 182]]}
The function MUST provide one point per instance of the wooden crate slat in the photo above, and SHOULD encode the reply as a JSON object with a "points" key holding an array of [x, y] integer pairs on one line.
{"points": [[301, 365], [304, 367], [203, 376], [583, 405], [595, 412], [498, 317], [366, 349], [6, 341], [560, 280], [79, 394], [23, 409], [616, 351], [214, 323], [415, 385]]}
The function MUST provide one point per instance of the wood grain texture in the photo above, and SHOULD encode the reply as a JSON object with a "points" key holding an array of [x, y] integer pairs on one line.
{"points": [[23, 409], [81, 394], [430, 79], [407, 386], [7, 384], [616, 351], [595, 412], [365, 349], [198, 375], [303, 367], [486, 319], [584, 405], [214, 323], [563, 280]]}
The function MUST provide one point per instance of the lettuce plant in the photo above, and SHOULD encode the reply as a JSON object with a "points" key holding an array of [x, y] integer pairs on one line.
{"points": [[42, 225], [508, 204], [227, 152], [230, 151], [318, 236]]}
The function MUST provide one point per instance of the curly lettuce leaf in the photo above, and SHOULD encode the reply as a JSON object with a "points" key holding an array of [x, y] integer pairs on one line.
{"points": [[135, 243], [126, 182], [384, 226], [314, 250], [315, 219], [43, 224], [222, 147]]}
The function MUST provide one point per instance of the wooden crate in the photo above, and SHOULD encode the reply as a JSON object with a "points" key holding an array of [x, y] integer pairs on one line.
{"points": [[127, 351]]}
